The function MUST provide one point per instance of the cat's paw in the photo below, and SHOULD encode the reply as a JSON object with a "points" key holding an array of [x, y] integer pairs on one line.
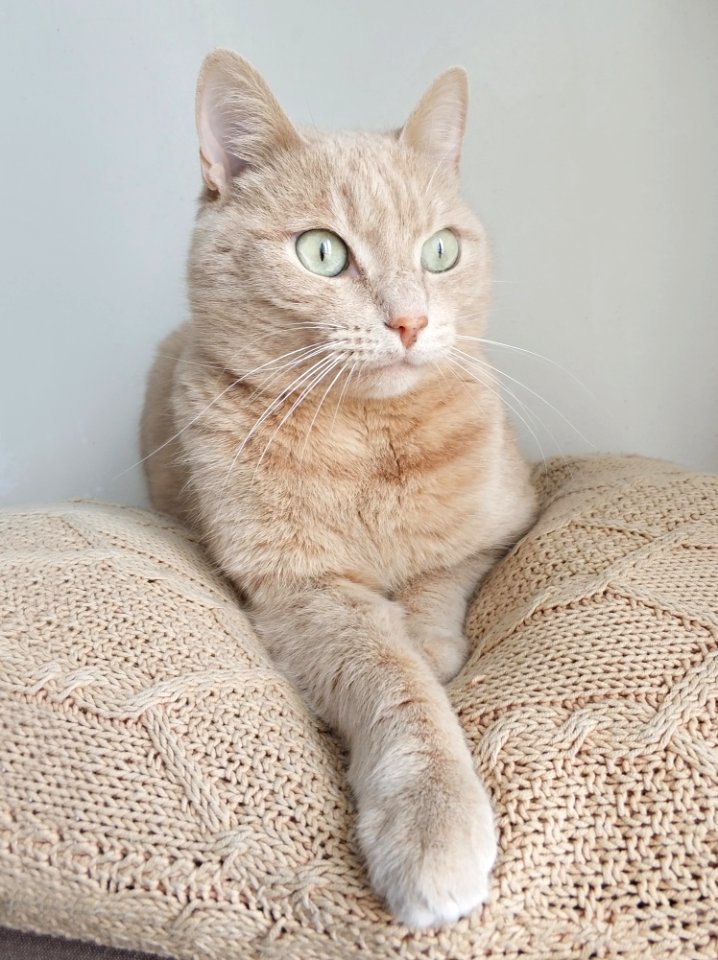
{"points": [[445, 649], [430, 849]]}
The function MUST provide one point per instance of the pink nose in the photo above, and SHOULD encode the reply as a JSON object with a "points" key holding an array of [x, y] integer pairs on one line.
{"points": [[408, 328]]}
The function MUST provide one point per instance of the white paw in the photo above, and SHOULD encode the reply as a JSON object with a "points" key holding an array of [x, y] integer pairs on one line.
{"points": [[430, 847]]}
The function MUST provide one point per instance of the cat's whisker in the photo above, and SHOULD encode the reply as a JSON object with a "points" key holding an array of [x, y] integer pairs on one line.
{"points": [[205, 410], [228, 369], [283, 395], [279, 332], [479, 379], [343, 393], [197, 363], [291, 327], [531, 353], [438, 367], [274, 405], [496, 371], [275, 374], [342, 369], [298, 356], [313, 323], [531, 414], [304, 354], [179, 432], [510, 406], [308, 349], [325, 367], [522, 405], [533, 393]]}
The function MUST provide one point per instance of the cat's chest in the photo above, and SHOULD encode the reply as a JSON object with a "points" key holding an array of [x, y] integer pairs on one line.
{"points": [[391, 499]]}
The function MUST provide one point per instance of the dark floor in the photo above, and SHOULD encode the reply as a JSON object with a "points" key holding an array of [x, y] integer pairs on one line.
{"points": [[28, 946]]}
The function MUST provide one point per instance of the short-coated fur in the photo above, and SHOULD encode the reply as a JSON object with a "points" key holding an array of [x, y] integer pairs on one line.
{"points": [[355, 504]]}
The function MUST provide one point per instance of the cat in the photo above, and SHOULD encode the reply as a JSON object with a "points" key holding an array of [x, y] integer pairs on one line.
{"points": [[316, 424]]}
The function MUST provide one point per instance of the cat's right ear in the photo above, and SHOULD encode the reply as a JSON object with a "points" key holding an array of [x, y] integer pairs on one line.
{"points": [[239, 121]]}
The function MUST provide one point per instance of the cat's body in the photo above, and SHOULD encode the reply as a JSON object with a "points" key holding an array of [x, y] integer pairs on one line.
{"points": [[382, 490], [355, 503]]}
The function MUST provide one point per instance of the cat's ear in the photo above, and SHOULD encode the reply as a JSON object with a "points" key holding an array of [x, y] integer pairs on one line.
{"points": [[436, 127], [239, 121]]}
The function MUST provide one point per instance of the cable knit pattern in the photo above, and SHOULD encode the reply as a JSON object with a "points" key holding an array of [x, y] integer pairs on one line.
{"points": [[162, 787]]}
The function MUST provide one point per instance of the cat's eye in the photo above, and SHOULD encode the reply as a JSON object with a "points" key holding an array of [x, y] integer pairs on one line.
{"points": [[440, 252], [322, 252]]}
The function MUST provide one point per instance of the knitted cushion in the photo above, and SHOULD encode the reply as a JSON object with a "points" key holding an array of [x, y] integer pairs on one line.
{"points": [[162, 787]]}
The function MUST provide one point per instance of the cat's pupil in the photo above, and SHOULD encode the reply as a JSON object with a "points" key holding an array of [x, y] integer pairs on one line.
{"points": [[324, 250], [440, 248]]}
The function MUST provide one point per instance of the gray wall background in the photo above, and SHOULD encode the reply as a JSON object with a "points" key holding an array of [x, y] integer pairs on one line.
{"points": [[591, 155]]}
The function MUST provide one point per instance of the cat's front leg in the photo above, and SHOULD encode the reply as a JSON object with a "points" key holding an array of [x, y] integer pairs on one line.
{"points": [[424, 820], [435, 606]]}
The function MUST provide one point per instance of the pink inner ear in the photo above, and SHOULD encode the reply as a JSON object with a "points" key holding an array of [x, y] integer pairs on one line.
{"points": [[216, 160], [239, 122]]}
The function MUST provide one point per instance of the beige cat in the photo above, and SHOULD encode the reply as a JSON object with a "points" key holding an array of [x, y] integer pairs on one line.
{"points": [[316, 423]]}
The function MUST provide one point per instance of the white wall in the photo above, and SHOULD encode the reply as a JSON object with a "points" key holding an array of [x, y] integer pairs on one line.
{"points": [[592, 156]]}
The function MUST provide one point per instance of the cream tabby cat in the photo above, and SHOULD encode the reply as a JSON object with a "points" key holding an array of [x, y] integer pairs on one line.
{"points": [[308, 422]]}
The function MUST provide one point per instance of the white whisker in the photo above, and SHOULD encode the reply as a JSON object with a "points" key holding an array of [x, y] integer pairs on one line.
{"points": [[532, 392], [313, 351], [532, 353], [496, 393], [319, 407], [325, 367], [198, 363], [342, 393], [179, 432], [219, 396], [274, 405], [521, 403]]}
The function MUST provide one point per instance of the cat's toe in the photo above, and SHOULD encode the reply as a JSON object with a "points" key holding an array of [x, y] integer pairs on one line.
{"points": [[430, 856], [449, 885], [433, 901]]}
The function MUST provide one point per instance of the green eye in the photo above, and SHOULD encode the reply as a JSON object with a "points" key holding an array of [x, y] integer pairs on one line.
{"points": [[322, 252], [440, 252]]}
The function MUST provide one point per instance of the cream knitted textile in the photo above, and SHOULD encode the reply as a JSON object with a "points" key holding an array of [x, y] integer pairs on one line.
{"points": [[163, 787]]}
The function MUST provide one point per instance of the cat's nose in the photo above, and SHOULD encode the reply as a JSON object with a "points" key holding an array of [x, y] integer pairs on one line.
{"points": [[408, 328]]}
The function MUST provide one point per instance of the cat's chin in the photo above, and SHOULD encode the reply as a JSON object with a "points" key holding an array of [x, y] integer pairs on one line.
{"points": [[392, 380]]}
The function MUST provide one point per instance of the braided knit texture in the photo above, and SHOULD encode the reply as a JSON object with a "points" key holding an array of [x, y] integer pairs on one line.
{"points": [[163, 787]]}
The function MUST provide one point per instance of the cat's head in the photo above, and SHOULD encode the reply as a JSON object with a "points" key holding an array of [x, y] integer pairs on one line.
{"points": [[350, 255]]}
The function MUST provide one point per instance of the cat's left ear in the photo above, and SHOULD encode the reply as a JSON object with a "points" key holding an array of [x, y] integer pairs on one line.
{"points": [[436, 127]]}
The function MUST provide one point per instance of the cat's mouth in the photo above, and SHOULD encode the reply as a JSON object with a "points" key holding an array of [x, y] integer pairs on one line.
{"points": [[392, 377], [393, 366]]}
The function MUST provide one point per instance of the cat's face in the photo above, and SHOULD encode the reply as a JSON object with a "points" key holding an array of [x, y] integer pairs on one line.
{"points": [[339, 261]]}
